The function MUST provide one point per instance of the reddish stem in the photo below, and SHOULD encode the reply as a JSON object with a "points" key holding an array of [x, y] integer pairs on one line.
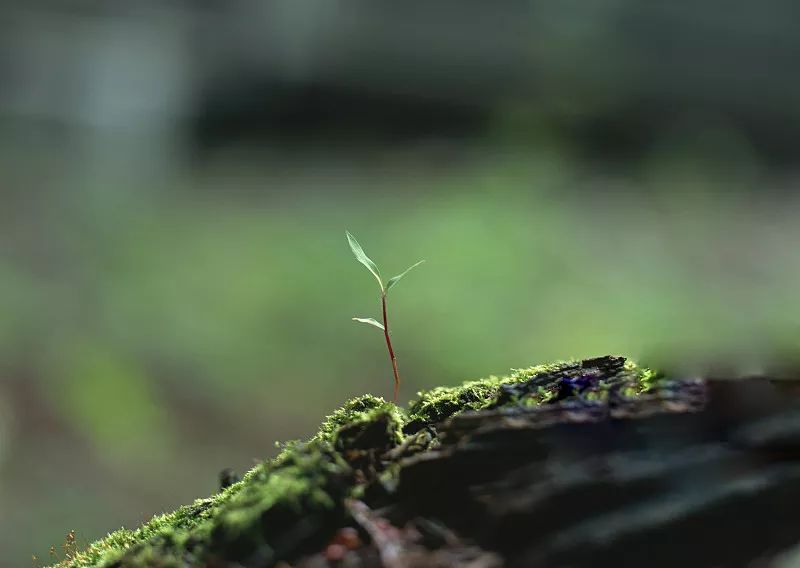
{"points": [[389, 346]]}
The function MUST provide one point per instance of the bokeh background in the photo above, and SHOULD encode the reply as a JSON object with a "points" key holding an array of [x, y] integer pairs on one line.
{"points": [[176, 179]]}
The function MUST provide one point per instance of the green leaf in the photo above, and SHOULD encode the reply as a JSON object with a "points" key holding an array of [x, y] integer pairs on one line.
{"points": [[361, 257], [394, 279], [370, 321]]}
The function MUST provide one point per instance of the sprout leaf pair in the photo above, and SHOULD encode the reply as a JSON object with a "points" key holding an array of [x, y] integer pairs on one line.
{"points": [[362, 257]]}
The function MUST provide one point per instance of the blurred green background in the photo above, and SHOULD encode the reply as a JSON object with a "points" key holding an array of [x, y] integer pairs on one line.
{"points": [[175, 285]]}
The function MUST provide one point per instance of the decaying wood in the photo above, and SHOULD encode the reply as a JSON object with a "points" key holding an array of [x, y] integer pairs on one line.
{"points": [[703, 474]]}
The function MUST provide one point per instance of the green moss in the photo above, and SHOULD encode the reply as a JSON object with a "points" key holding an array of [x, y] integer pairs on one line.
{"points": [[305, 479], [292, 502], [362, 409], [441, 403], [309, 480], [648, 379]]}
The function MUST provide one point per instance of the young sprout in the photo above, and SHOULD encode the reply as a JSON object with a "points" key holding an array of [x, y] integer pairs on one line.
{"points": [[366, 261]]}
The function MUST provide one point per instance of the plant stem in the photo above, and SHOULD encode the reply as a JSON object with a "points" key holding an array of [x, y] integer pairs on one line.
{"points": [[389, 346]]}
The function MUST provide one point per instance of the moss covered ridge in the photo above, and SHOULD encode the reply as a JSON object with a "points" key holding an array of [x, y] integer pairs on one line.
{"points": [[292, 504]]}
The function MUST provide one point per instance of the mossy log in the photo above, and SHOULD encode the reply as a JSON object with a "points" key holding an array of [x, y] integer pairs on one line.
{"points": [[578, 463]]}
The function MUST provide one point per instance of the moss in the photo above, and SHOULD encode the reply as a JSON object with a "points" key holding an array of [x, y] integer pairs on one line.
{"points": [[648, 379], [363, 409], [255, 514], [306, 479], [292, 502], [441, 403]]}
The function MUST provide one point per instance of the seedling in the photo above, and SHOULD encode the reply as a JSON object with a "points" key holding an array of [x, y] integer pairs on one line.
{"points": [[366, 261]]}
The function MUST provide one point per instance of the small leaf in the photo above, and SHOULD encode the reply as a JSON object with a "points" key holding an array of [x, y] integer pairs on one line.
{"points": [[370, 321], [394, 279], [361, 257]]}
